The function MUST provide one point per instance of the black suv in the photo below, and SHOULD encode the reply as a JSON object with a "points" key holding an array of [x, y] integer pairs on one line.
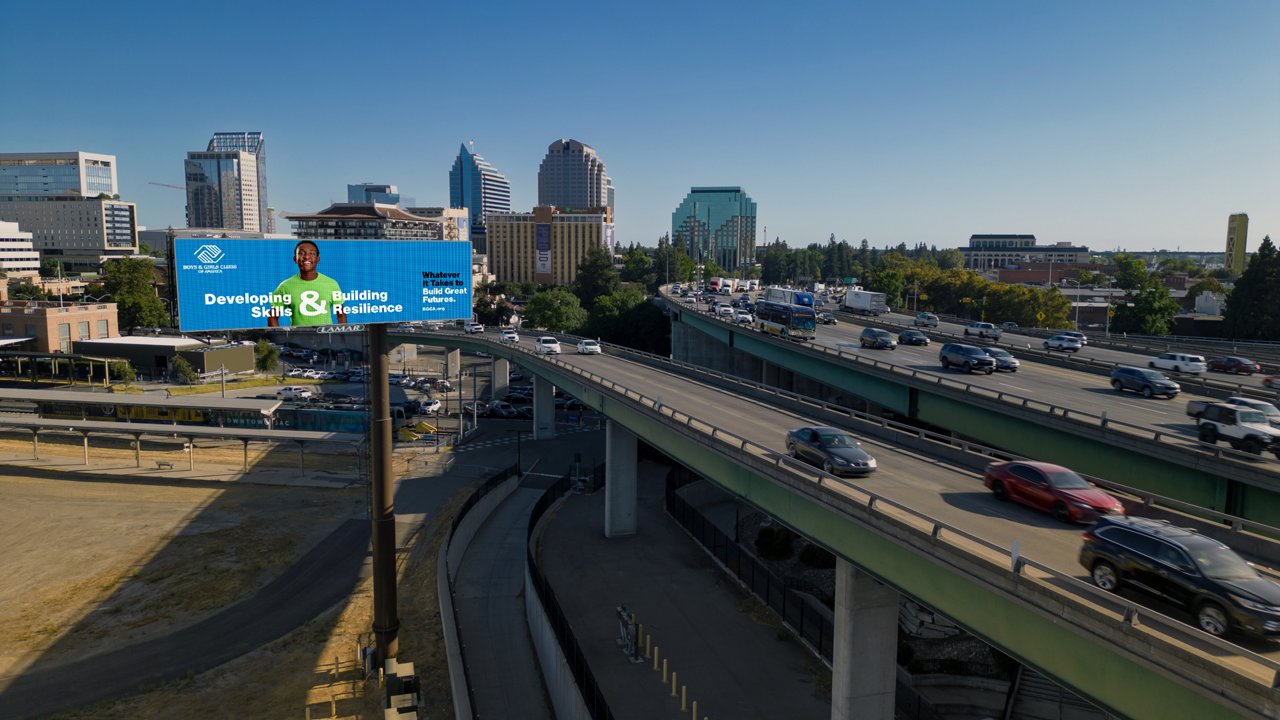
{"points": [[1178, 564], [1142, 380], [969, 357]]}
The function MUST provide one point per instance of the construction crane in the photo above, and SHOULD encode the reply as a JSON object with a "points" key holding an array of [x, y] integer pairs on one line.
{"points": [[175, 187]]}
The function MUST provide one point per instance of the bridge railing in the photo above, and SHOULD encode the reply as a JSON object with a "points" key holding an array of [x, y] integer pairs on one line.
{"points": [[1116, 613]]}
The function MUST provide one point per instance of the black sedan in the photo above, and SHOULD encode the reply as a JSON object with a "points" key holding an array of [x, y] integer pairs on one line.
{"points": [[1234, 365], [913, 337], [832, 449], [827, 318]]}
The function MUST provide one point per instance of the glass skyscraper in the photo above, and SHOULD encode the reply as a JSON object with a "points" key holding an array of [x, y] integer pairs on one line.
{"points": [[572, 176], [374, 193], [717, 224], [474, 184], [227, 184]]}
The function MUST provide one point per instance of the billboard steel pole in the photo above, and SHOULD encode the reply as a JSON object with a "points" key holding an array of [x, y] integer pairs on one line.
{"points": [[386, 622]]}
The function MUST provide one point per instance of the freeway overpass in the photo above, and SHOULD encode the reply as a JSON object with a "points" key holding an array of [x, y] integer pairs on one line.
{"points": [[1053, 412], [923, 526]]}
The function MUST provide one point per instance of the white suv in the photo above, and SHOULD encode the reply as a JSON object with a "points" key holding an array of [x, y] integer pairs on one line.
{"points": [[473, 327], [926, 319], [1179, 363], [547, 345], [509, 337], [982, 330]]}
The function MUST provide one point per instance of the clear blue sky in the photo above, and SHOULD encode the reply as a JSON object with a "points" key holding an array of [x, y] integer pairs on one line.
{"points": [[1136, 125]]}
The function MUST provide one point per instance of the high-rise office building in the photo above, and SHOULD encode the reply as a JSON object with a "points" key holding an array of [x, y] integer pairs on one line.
{"points": [[68, 202], [474, 184], [58, 174], [547, 245], [376, 193], [1237, 239], [717, 224], [227, 184], [572, 176]]}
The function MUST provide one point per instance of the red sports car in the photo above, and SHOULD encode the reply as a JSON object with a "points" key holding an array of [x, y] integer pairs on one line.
{"points": [[1051, 488]]}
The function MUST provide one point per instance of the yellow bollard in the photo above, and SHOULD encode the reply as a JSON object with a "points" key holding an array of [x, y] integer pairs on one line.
{"points": [[684, 698], [664, 670], [655, 658], [695, 710], [673, 683], [646, 646]]}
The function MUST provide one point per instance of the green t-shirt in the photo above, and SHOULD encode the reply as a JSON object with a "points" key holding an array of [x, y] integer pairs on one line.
{"points": [[311, 302]]}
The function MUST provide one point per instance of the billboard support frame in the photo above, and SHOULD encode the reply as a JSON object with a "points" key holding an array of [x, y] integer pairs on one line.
{"points": [[386, 621]]}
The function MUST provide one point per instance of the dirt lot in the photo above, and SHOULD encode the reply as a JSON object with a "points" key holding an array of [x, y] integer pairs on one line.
{"points": [[91, 565]]}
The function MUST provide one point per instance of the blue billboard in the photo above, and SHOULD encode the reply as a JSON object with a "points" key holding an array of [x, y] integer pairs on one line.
{"points": [[226, 284]]}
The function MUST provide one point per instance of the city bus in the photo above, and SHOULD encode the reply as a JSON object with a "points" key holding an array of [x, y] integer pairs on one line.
{"points": [[794, 322]]}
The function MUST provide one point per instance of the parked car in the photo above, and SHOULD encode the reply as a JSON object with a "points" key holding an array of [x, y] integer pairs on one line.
{"points": [[1221, 590], [295, 393], [588, 347], [926, 319], [970, 358], [501, 409], [1234, 365], [473, 327], [1062, 343], [826, 318], [473, 407], [1179, 363], [1141, 380], [547, 345], [443, 385], [832, 449], [1004, 359], [913, 337], [1051, 488], [982, 330], [296, 372], [878, 339], [429, 406], [509, 337]]}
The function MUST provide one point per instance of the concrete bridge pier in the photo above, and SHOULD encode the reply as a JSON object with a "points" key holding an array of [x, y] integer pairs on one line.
{"points": [[864, 659], [620, 489], [498, 384], [544, 409]]}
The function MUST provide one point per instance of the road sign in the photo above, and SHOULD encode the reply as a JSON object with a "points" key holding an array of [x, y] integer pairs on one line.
{"points": [[1040, 316], [1111, 313], [923, 296]]}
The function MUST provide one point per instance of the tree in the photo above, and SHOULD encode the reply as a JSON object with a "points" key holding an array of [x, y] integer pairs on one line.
{"points": [[265, 356], [596, 276], [129, 283], [27, 291], [1206, 285], [607, 317], [121, 371], [1253, 308], [183, 373], [890, 281], [1131, 273], [555, 309], [710, 269], [1150, 311], [636, 265], [50, 267]]}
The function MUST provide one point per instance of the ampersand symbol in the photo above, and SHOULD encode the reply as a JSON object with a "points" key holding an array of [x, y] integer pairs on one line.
{"points": [[308, 305]]}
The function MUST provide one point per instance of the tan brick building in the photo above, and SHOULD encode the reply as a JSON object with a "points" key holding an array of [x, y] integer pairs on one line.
{"points": [[48, 326], [546, 245]]}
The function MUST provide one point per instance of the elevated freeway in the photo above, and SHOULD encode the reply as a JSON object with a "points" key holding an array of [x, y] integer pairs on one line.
{"points": [[1047, 410], [925, 526]]}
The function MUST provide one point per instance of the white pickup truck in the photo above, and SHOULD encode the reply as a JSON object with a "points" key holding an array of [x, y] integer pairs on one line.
{"points": [[1244, 428]]}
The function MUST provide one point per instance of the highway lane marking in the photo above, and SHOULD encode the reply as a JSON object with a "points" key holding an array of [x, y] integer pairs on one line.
{"points": [[1141, 407], [1015, 387]]}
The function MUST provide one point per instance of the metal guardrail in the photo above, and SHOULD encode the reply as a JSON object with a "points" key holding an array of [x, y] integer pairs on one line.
{"points": [[1118, 614]]}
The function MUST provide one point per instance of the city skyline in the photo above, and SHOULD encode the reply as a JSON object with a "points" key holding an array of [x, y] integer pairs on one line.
{"points": [[1139, 127]]}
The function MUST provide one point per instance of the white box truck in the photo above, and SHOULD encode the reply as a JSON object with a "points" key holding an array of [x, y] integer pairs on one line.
{"points": [[865, 302]]}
